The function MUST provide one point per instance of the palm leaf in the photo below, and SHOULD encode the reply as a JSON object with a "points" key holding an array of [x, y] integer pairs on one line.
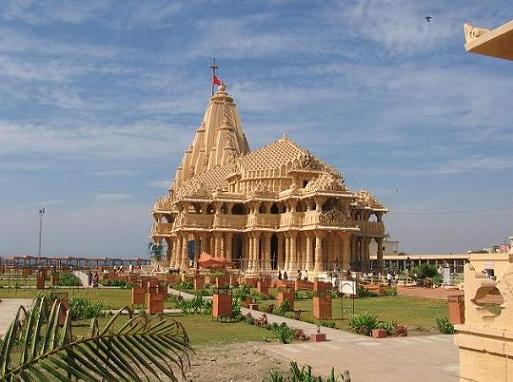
{"points": [[138, 349]]}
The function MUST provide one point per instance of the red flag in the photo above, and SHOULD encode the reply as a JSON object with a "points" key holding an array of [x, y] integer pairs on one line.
{"points": [[216, 81]]}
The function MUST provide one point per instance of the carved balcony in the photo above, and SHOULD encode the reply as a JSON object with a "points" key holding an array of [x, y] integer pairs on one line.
{"points": [[230, 221], [162, 229], [264, 221], [371, 228]]}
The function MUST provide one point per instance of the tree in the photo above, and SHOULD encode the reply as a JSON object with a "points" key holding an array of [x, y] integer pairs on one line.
{"points": [[37, 348]]}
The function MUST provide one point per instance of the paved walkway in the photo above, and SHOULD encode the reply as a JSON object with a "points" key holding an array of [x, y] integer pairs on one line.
{"points": [[394, 359], [8, 309]]}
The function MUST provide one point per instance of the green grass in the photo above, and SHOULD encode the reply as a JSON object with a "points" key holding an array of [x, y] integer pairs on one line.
{"points": [[200, 328], [414, 313], [113, 298]]}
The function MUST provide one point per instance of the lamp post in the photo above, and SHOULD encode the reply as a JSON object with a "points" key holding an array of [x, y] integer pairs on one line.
{"points": [[41, 213]]}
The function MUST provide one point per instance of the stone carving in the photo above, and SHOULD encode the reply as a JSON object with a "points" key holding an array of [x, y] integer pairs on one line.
{"points": [[308, 162], [332, 217], [472, 32], [327, 182], [259, 187], [365, 198]]}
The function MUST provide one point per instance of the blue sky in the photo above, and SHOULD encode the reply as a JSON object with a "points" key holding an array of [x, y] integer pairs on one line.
{"points": [[99, 99]]}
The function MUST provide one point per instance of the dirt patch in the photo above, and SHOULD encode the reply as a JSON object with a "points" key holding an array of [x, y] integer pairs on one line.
{"points": [[240, 362]]}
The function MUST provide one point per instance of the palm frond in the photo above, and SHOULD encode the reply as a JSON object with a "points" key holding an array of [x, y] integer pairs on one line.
{"points": [[138, 349]]}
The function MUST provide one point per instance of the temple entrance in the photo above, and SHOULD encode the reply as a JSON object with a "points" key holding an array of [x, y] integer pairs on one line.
{"points": [[274, 252], [237, 250]]}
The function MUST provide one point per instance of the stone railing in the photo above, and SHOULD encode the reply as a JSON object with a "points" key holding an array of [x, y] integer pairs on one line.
{"points": [[371, 228], [163, 204], [230, 221], [264, 221], [196, 220], [162, 228], [291, 219]]}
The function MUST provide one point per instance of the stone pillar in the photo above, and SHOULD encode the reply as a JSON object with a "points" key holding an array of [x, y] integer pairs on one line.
{"points": [[228, 246], [178, 251], [247, 251], [185, 259], [196, 249], [365, 254], [281, 259], [336, 251], [266, 251], [346, 252], [256, 250], [309, 257], [379, 241], [353, 250], [287, 253], [217, 245], [318, 252], [293, 251], [173, 252]]}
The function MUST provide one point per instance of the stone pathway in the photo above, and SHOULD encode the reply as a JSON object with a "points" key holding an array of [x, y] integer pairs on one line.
{"points": [[8, 309], [416, 358]]}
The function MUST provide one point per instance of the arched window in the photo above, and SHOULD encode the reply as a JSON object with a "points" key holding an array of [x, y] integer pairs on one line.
{"points": [[275, 209], [238, 209]]}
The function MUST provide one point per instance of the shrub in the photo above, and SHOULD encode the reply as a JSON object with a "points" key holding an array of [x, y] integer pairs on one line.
{"points": [[297, 314], [328, 323], [239, 294], [262, 321], [123, 284], [69, 279], [444, 325], [300, 335], [363, 323], [281, 309], [81, 308], [304, 374], [389, 326], [196, 305], [283, 332], [269, 308], [364, 292], [390, 292], [437, 279], [249, 319]]}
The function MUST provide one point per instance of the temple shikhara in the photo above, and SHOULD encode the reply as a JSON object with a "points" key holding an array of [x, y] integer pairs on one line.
{"points": [[275, 208]]}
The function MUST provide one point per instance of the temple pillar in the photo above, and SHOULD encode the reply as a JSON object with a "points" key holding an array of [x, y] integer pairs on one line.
{"points": [[228, 246], [217, 245], [256, 250], [318, 252], [365, 254], [196, 249], [336, 251], [286, 265], [346, 251], [185, 258], [281, 259], [379, 256], [266, 251], [309, 257], [293, 251]]}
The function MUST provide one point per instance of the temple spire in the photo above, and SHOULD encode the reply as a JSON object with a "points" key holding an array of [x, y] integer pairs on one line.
{"points": [[215, 80]]}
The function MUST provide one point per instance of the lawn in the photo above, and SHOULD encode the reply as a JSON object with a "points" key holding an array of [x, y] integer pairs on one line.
{"points": [[415, 313], [113, 298], [200, 328]]}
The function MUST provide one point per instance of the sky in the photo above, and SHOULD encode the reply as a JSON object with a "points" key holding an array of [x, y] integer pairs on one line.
{"points": [[99, 99]]}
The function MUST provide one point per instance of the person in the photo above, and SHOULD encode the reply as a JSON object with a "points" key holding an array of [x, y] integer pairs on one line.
{"points": [[130, 268], [279, 274], [389, 279], [89, 278], [334, 281], [305, 276], [285, 276]]}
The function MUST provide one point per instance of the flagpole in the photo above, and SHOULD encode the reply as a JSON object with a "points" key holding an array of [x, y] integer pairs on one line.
{"points": [[214, 67]]}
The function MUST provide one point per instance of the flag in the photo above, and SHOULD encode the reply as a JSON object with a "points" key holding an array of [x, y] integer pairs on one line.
{"points": [[215, 81]]}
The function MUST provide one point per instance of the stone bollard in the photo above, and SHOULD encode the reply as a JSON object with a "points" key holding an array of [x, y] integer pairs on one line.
{"points": [[263, 287], [322, 300], [40, 280], [286, 293]]}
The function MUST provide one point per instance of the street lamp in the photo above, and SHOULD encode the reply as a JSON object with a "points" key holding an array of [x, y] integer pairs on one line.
{"points": [[41, 213]]}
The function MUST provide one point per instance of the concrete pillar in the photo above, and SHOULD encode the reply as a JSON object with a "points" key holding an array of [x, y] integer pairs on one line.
{"points": [[318, 252]]}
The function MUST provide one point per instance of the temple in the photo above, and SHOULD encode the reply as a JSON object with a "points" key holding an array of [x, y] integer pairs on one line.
{"points": [[276, 208]]}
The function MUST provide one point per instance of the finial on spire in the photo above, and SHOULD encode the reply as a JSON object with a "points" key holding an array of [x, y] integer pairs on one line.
{"points": [[215, 80]]}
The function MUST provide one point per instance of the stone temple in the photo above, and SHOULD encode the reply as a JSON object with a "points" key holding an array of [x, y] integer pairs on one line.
{"points": [[275, 208]]}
